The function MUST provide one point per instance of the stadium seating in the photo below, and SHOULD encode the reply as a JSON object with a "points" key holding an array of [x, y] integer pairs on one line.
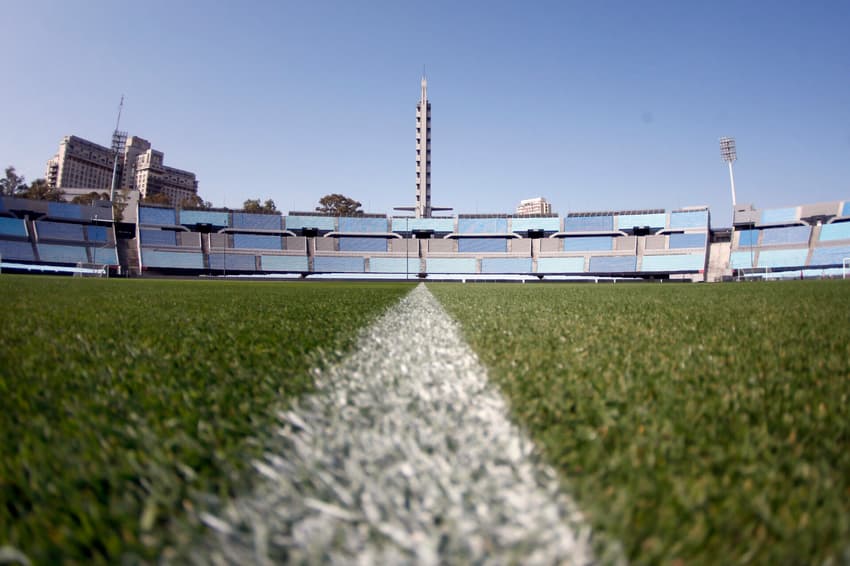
{"points": [[482, 225], [643, 243], [440, 226], [588, 244], [250, 221], [338, 264], [506, 265], [522, 224], [13, 227], [554, 265], [482, 245], [55, 233], [789, 239], [602, 223], [355, 244], [363, 225]]}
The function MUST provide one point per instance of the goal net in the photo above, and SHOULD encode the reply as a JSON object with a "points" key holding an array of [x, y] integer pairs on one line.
{"points": [[91, 270]]}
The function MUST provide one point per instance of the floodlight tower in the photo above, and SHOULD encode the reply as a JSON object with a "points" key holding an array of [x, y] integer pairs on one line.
{"points": [[119, 140], [729, 154]]}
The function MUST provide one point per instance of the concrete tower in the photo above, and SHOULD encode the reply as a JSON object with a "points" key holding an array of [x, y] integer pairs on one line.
{"points": [[423, 154]]}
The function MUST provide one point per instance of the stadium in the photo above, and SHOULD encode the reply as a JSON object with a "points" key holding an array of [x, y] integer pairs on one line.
{"points": [[163, 405], [801, 241]]}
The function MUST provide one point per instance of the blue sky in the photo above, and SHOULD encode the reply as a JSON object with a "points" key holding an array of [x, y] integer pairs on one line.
{"points": [[593, 105]]}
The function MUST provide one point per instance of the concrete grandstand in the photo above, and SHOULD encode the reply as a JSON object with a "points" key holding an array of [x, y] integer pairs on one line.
{"points": [[799, 241]]}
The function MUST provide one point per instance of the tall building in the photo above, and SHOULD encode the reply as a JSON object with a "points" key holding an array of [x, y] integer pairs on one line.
{"points": [[537, 205], [423, 154], [82, 164]]}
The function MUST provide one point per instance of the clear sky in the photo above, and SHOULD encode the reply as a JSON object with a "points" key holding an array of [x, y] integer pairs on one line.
{"points": [[593, 105]]}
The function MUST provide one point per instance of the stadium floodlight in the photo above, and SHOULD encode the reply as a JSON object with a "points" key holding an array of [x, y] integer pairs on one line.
{"points": [[729, 154]]}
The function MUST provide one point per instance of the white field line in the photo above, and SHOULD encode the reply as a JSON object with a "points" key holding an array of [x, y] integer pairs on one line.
{"points": [[405, 454]]}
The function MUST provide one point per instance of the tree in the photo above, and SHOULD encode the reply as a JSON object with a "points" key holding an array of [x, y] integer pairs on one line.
{"points": [[339, 205], [12, 184], [253, 205], [40, 190], [195, 201], [89, 198], [156, 198]]}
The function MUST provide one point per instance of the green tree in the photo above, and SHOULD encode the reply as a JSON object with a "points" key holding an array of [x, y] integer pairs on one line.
{"points": [[12, 183], [195, 201], [339, 205], [253, 205], [40, 190], [156, 198], [89, 198]]}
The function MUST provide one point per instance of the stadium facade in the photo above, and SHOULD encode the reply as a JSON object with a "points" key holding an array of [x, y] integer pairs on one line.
{"points": [[809, 240]]}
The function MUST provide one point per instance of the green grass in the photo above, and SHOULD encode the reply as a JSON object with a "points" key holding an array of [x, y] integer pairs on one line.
{"points": [[695, 424], [122, 400]]}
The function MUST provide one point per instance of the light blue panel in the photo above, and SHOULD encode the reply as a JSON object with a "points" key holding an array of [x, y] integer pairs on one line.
{"points": [[783, 258], [747, 238], [438, 225], [588, 243], [12, 227], [154, 238], [560, 265], [319, 222], [612, 264], [482, 245], [506, 265], [450, 265], [59, 231], [679, 262], [520, 225], [62, 254], [836, 231], [482, 225], [157, 216], [741, 260], [393, 265], [629, 221], [248, 220], [689, 219], [236, 262], [680, 241], [177, 260], [331, 264], [284, 263], [106, 256], [821, 256], [776, 215], [360, 224], [65, 210], [845, 210], [787, 235], [16, 250], [588, 223], [190, 217], [257, 242], [97, 234], [355, 244]]}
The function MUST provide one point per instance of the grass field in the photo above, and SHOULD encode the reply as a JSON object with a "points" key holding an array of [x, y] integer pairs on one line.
{"points": [[695, 424], [121, 400]]}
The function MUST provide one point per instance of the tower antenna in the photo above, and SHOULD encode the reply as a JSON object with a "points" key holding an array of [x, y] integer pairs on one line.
{"points": [[119, 139]]}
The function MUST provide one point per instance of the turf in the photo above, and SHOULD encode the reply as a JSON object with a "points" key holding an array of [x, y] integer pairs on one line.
{"points": [[695, 424], [121, 400]]}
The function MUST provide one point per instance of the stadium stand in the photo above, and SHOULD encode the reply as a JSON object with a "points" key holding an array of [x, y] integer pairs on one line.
{"points": [[56, 236], [806, 240]]}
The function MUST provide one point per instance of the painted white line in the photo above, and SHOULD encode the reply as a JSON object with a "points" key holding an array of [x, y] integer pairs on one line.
{"points": [[405, 454]]}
